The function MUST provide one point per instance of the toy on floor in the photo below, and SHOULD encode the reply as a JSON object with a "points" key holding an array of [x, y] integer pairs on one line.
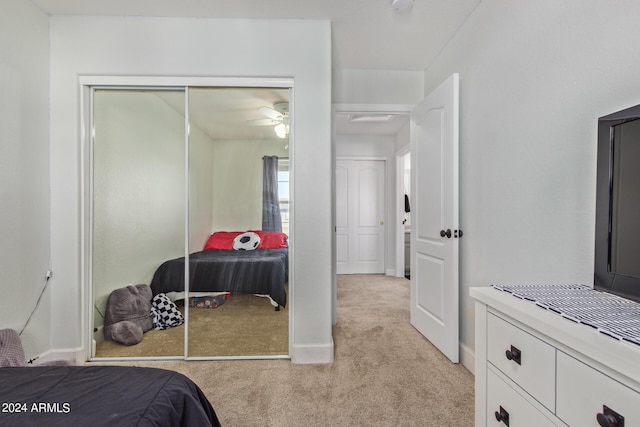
{"points": [[209, 301], [128, 314]]}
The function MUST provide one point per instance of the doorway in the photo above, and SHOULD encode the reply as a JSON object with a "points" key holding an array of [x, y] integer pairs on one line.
{"points": [[403, 170], [169, 167], [360, 216]]}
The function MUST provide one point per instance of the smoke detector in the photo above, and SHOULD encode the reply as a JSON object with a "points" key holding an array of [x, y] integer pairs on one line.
{"points": [[401, 5]]}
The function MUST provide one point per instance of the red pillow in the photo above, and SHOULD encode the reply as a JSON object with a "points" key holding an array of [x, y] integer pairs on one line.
{"points": [[272, 239], [221, 240]]}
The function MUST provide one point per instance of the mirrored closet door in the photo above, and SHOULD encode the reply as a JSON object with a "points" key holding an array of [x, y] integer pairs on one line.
{"points": [[138, 216], [234, 154], [190, 185]]}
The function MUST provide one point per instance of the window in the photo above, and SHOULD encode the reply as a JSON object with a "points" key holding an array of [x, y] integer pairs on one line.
{"points": [[283, 192]]}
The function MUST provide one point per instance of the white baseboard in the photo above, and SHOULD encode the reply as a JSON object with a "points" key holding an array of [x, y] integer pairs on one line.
{"points": [[468, 358], [312, 353], [301, 354], [390, 272]]}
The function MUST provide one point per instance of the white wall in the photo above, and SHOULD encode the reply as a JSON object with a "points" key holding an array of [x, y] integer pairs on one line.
{"points": [[200, 47], [534, 78], [355, 86], [24, 172], [201, 186], [237, 177], [402, 140]]}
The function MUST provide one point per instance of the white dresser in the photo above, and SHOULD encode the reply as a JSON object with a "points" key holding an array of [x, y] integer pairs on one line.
{"points": [[536, 368]]}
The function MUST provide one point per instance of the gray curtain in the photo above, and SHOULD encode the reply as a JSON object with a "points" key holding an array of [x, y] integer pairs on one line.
{"points": [[271, 220]]}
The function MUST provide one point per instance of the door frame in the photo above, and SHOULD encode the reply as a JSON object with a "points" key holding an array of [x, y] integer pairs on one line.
{"points": [[400, 252], [356, 108], [398, 109], [87, 84]]}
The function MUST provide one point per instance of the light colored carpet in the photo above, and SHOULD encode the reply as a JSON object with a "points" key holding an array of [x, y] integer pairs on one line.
{"points": [[385, 373]]}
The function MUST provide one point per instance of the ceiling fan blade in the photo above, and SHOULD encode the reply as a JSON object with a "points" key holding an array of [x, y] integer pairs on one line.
{"points": [[262, 122], [270, 112]]}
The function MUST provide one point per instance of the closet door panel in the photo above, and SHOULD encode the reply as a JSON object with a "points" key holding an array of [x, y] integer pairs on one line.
{"points": [[138, 212], [226, 188]]}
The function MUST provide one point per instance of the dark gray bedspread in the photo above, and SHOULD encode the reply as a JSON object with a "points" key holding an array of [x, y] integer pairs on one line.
{"points": [[101, 396], [261, 271]]}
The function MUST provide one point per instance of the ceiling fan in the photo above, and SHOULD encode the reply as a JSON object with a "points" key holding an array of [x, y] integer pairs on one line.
{"points": [[278, 116]]}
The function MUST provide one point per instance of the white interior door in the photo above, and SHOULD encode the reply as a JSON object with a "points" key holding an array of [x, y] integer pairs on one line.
{"points": [[434, 221], [360, 201]]}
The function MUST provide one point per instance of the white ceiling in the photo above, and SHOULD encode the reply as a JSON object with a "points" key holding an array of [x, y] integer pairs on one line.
{"points": [[225, 114], [366, 34], [369, 123]]}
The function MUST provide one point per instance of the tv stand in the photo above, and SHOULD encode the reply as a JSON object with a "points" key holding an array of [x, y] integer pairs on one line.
{"points": [[535, 367]]}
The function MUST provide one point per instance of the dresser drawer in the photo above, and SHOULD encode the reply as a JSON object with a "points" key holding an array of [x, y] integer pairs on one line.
{"points": [[582, 392], [502, 398], [534, 370]]}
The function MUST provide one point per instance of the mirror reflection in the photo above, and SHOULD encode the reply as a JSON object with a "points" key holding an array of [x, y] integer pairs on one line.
{"points": [[138, 215], [236, 239]]}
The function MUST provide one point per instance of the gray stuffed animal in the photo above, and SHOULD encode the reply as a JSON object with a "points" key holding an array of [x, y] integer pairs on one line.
{"points": [[128, 314]]}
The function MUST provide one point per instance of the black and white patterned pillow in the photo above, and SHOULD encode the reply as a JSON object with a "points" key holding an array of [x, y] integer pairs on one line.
{"points": [[165, 313]]}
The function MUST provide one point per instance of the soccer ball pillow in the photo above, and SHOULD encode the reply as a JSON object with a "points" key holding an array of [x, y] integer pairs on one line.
{"points": [[246, 241]]}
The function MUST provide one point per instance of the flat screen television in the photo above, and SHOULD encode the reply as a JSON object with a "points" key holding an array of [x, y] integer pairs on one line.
{"points": [[617, 239]]}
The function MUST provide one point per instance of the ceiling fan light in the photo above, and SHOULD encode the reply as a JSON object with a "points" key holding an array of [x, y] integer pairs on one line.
{"points": [[281, 130]]}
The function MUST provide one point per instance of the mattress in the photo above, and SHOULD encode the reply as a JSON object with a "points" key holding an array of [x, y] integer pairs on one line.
{"points": [[260, 271]]}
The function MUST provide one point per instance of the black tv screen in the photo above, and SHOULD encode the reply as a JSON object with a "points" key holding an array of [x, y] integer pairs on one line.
{"points": [[617, 244]]}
